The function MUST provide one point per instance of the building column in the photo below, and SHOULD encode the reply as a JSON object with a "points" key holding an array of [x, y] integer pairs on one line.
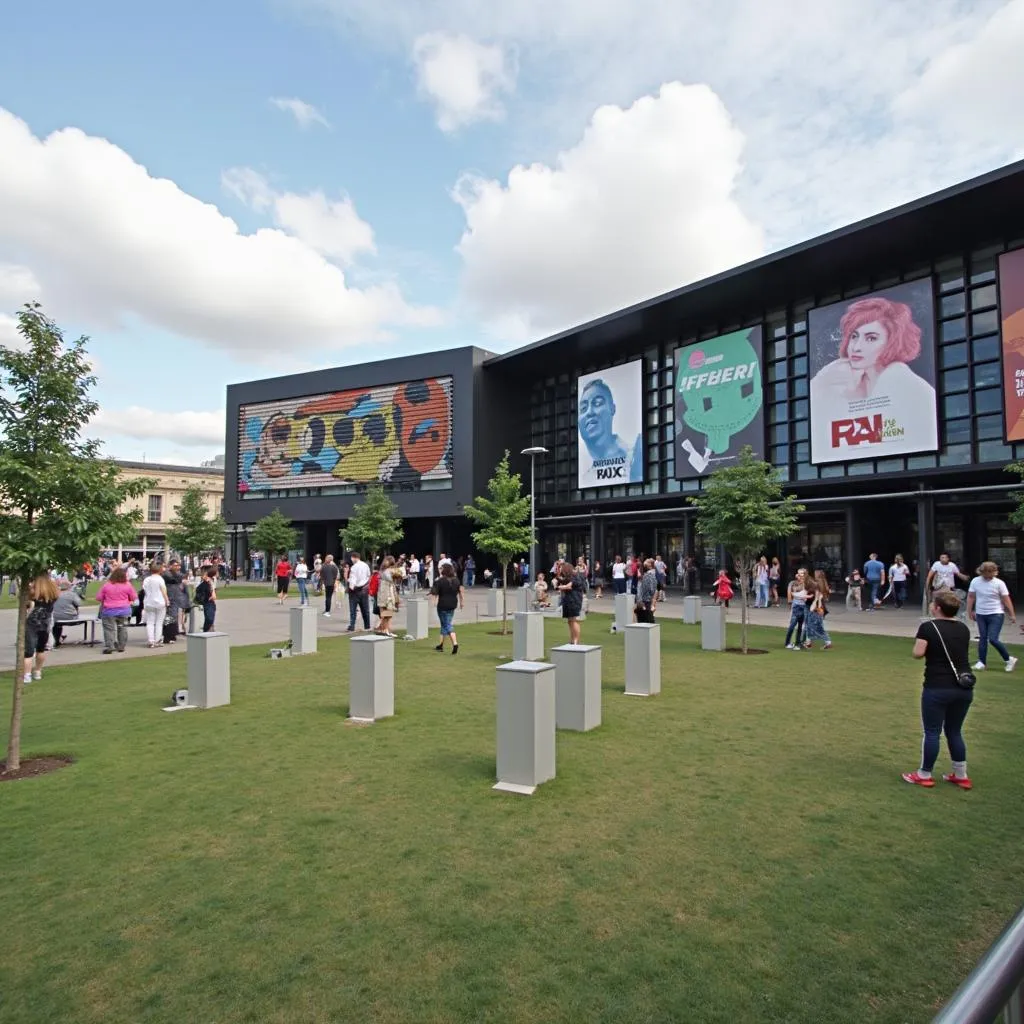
{"points": [[438, 539], [687, 535], [331, 543], [853, 554], [306, 553], [925, 539]]}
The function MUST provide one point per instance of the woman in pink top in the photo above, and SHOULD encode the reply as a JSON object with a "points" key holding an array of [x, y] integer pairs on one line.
{"points": [[115, 597]]}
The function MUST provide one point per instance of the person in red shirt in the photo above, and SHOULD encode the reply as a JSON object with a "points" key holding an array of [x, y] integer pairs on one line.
{"points": [[283, 572], [723, 589]]}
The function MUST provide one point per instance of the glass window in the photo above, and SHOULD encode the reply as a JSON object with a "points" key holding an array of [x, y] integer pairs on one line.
{"points": [[780, 455], [989, 400], [983, 296], [951, 279], [951, 305], [779, 392], [983, 270], [777, 371], [776, 413], [989, 427], [957, 430], [985, 323], [800, 431], [985, 348], [806, 472], [799, 344], [779, 349], [956, 455], [672, 485], [801, 409], [953, 355], [779, 434], [922, 462], [802, 453], [800, 387], [987, 374], [889, 466], [155, 508], [956, 405], [994, 451], [777, 328], [800, 366], [954, 380], [834, 470], [860, 468], [953, 330]]}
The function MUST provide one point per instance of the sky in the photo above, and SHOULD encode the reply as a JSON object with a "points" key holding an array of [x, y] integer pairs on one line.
{"points": [[219, 192]]}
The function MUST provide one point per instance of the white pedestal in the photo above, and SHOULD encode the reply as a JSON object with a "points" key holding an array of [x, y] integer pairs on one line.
{"points": [[712, 628], [577, 686], [521, 598], [303, 629], [526, 726], [494, 603], [624, 604], [417, 619], [208, 659], [528, 636], [643, 659], [371, 683], [692, 608]]}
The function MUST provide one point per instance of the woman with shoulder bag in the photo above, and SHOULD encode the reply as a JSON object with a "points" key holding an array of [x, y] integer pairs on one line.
{"points": [[944, 643]]}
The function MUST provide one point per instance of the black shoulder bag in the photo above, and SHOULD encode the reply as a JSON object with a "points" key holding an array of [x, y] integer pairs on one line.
{"points": [[965, 679]]}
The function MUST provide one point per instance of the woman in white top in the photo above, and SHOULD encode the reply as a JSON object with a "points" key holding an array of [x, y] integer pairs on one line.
{"points": [[619, 575], [154, 605], [899, 573], [301, 574], [987, 599]]}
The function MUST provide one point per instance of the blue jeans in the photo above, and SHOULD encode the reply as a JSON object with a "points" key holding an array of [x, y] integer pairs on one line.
{"points": [[762, 595], [470, 577], [445, 618], [899, 590], [816, 628], [989, 627], [303, 596], [874, 586], [943, 710], [209, 614], [797, 617]]}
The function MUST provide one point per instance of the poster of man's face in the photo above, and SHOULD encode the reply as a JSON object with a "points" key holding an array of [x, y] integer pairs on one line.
{"points": [[609, 413]]}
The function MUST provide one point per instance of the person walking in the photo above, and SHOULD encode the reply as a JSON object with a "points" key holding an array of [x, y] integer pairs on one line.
{"points": [[988, 603], [818, 593], [619, 575], [447, 595], [899, 573], [761, 579], [206, 598], [854, 586], [646, 594], [470, 570], [796, 595], [329, 574], [387, 595], [874, 573], [570, 586], [40, 598], [661, 572], [598, 580], [944, 644], [115, 598], [774, 579], [301, 574], [943, 574], [358, 592], [722, 589], [318, 564], [156, 605], [283, 575]]}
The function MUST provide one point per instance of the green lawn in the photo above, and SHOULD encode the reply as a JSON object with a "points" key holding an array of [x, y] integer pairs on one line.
{"points": [[739, 848]]}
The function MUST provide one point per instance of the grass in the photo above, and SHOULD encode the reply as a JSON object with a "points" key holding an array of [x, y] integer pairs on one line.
{"points": [[738, 848], [234, 591]]}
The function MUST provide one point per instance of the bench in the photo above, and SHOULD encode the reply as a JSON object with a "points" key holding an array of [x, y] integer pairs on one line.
{"points": [[88, 629]]}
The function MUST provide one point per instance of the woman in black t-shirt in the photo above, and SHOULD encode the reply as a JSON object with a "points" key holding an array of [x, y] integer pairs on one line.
{"points": [[448, 595], [944, 704], [570, 584]]}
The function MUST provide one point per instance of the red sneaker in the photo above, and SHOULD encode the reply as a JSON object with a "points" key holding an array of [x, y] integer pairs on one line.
{"points": [[917, 780], [962, 783]]}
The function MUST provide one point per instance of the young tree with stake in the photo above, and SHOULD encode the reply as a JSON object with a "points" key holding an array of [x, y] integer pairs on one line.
{"points": [[374, 525], [504, 531], [743, 508], [274, 534], [193, 530], [60, 502]]}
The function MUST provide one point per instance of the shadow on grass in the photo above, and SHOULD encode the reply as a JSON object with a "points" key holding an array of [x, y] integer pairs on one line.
{"points": [[474, 766]]}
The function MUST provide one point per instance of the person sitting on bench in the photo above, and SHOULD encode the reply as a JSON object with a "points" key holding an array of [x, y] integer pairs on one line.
{"points": [[540, 592]]}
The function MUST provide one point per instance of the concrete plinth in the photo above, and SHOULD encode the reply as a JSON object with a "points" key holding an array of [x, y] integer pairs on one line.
{"points": [[521, 598], [208, 660], [494, 597], [303, 629], [692, 607], [526, 726], [417, 619], [528, 636], [371, 683], [577, 686], [712, 628], [643, 659], [624, 604]]}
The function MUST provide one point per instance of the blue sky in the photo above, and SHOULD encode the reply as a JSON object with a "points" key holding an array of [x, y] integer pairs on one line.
{"points": [[387, 176]]}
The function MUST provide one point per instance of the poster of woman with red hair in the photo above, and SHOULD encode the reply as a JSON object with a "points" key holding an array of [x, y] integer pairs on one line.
{"points": [[872, 367]]}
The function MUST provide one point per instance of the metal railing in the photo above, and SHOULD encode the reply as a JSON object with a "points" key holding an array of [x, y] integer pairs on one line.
{"points": [[994, 990]]}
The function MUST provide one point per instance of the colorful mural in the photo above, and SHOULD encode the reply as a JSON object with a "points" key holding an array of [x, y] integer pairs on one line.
{"points": [[399, 434]]}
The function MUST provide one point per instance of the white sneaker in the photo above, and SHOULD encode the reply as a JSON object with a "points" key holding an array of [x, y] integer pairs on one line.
{"points": [[37, 675], [790, 647], [979, 666], [27, 678], [327, 615], [1011, 664]]}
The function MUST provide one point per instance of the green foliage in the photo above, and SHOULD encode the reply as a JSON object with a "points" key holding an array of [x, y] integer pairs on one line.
{"points": [[60, 501], [193, 531], [274, 534], [504, 531], [374, 525], [742, 507], [1017, 515]]}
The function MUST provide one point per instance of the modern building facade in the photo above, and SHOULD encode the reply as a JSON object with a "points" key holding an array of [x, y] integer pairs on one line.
{"points": [[879, 368]]}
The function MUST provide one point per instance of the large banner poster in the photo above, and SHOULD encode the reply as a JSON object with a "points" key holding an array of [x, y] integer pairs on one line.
{"points": [[610, 420], [872, 366], [719, 402], [1011, 304]]}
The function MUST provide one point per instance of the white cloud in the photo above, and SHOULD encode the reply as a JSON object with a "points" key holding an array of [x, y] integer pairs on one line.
{"points": [[9, 336], [18, 285], [107, 241], [642, 204], [183, 429], [304, 113], [464, 79], [330, 226]]}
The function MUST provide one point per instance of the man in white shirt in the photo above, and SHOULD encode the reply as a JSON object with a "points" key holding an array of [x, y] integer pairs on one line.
{"points": [[358, 592], [988, 602], [414, 574], [943, 574], [443, 560]]}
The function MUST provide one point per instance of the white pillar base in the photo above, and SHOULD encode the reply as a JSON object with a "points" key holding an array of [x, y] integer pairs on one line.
{"points": [[577, 686], [692, 607], [712, 628], [528, 636], [417, 619], [208, 660], [526, 726], [624, 604], [303, 629], [643, 660], [371, 682]]}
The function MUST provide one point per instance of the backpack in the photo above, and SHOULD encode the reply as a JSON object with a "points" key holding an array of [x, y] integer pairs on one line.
{"points": [[202, 592], [374, 584]]}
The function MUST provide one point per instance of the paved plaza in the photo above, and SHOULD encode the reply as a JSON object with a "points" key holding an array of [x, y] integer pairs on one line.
{"points": [[262, 621]]}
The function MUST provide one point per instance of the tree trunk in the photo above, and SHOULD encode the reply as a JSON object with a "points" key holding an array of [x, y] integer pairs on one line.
{"points": [[14, 739], [744, 584], [504, 598]]}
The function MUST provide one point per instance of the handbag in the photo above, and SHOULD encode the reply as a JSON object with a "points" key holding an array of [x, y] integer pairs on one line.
{"points": [[965, 679]]}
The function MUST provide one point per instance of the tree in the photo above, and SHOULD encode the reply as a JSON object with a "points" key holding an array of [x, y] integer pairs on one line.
{"points": [[274, 534], [193, 530], [1017, 515], [502, 518], [743, 508], [60, 502], [374, 526]]}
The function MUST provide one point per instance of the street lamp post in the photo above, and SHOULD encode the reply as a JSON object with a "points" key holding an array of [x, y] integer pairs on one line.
{"points": [[533, 453]]}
